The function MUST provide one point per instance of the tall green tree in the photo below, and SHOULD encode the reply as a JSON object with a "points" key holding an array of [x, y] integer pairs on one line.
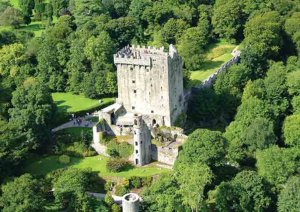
{"points": [[204, 146], [278, 164], [246, 192], [228, 19], [291, 130], [32, 111], [22, 194], [192, 179], [289, 197]]}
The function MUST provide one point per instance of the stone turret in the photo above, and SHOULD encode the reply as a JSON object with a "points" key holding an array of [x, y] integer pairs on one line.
{"points": [[130, 202], [142, 142]]}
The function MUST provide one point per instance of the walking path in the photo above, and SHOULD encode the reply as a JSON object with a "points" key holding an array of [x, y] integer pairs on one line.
{"points": [[78, 122]]}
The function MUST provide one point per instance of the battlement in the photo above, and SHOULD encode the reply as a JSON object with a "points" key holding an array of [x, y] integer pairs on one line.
{"points": [[141, 55]]}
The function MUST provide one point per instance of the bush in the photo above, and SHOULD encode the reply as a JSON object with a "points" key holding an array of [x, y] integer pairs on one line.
{"points": [[117, 165], [109, 185], [120, 190], [64, 159], [116, 149], [115, 208], [146, 181], [109, 200], [135, 182]]}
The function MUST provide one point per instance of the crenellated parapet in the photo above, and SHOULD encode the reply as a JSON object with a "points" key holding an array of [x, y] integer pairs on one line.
{"points": [[142, 55]]}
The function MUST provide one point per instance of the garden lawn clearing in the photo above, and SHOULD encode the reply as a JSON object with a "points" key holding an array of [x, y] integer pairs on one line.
{"points": [[216, 55], [71, 103], [97, 163]]}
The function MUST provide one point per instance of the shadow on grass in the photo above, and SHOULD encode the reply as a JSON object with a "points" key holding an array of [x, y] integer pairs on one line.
{"points": [[48, 164], [211, 65]]}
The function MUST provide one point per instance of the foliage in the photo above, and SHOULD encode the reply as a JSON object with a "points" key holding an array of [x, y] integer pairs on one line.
{"points": [[13, 147], [116, 149], [277, 164], [246, 192], [70, 190], [192, 179], [291, 130], [32, 111], [24, 193], [120, 190], [191, 46], [203, 146], [117, 165], [227, 19], [289, 197], [11, 17], [162, 195], [64, 159]]}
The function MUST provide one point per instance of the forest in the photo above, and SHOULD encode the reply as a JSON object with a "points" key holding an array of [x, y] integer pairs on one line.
{"points": [[243, 146]]}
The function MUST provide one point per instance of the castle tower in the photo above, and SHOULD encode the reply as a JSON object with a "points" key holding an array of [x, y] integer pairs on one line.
{"points": [[150, 82], [142, 142], [130, 202]]}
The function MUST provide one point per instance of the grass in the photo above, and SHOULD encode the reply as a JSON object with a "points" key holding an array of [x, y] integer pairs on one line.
{"points": [[76, 131], [217, 54], [97, 163], [71, 103]]}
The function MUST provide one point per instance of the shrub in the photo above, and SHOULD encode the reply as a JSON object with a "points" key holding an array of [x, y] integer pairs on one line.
{"points": [[115, 208], [64, 159], [135, 182], [146, 181], [109, 200], [116, 149], [109, 185], [120, 190], [117, 165]]}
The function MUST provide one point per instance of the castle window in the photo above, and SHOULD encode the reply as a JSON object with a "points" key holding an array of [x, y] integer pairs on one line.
{"points": [[152, 111], [133, 107], [136, 151], [161, 88], [136, 161], [131, 68], [133, 81], [136, 143], [151, 85], [161, 97], [134, 91]]}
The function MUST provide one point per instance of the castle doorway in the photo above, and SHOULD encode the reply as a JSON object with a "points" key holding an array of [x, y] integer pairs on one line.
{"points": [[112, 119], [136, 161]]}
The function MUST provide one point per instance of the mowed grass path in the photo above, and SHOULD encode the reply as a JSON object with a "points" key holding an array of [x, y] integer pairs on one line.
{"points": [[216, 55], [71, 103], [97, 163]]}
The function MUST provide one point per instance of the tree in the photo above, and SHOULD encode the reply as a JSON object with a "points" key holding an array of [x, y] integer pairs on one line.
{"points": [[122, 30], [292, 27], [39, 9], [22, 194], [291, 130], [228, 19], [296, 104], [26, 7], [192, 179], [204, 146], [246, 192], [11, 17], [262, 39], [13, 147], [58, 6], [32, 111], [293, 83], [162, 195], [99, 50], [70, 190], [289, 197], [173, 29], [191, 47], [277, 164]]}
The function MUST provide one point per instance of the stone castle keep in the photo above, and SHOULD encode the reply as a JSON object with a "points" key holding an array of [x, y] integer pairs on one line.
{"points": [[150, 95]]}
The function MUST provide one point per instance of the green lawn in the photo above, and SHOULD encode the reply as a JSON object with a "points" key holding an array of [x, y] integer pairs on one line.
{"points": [[216, 55], [96, 163], [76, 131], [67, 102]]}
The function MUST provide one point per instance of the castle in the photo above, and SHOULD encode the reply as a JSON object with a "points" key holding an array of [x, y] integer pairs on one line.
{"points": [[150, 95]]}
